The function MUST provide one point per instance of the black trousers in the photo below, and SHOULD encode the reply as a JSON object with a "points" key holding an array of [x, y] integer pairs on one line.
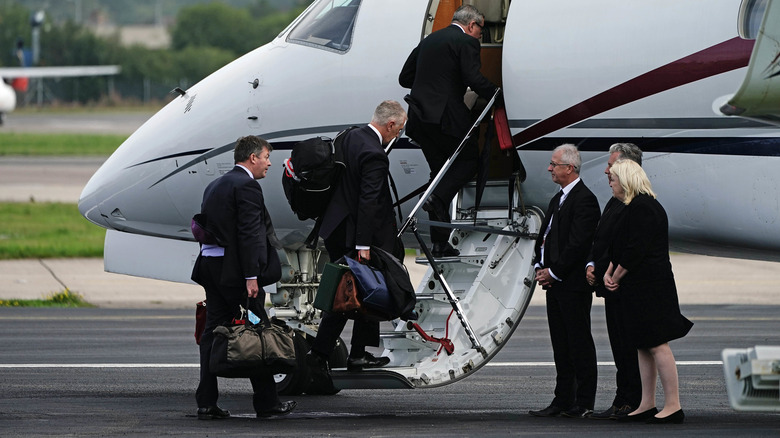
{"points": [[364, 333], [437, 148], [222, 305], [629, 383], [568, 316]]}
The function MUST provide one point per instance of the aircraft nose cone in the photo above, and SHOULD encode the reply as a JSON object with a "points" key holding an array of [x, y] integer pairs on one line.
{"points": [[89, 201]]}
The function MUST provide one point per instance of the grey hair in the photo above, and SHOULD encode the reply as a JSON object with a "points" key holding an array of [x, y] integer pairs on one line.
{"points": [[570, 155], [629, 151], [248, 145], [387, 112], [466, 14]]}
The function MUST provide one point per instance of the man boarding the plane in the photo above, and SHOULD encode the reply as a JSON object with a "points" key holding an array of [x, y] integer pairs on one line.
{"points": [[438, 71], [359, 215]]}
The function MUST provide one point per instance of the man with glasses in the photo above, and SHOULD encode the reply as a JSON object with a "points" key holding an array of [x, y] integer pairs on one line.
{"points": [[561, 252], [438, 71], [359, 215]]}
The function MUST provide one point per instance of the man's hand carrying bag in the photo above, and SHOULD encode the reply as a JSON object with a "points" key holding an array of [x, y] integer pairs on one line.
{"points": [[246, 349]]}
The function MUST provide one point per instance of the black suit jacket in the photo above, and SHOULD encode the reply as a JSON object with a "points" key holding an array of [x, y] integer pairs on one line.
{"points": [[362, 203], [438, 71], [599, 252], [569, 240], [234, 211]]}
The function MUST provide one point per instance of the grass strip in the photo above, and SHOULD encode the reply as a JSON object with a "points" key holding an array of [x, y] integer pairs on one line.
{"points": [[65, 298], [26, 144], [47, 230]]}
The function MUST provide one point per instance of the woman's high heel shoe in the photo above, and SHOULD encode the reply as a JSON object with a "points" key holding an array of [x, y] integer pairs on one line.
{"points": [[642, 416], [675, 418]]}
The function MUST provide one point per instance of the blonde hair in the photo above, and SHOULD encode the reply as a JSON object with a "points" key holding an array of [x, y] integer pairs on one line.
{"points": [[633, 179]]}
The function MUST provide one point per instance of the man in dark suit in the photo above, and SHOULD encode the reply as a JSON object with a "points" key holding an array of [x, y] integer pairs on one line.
{"points": [[561, 251], [438, 71], [628, 393], [233, 264], [359, 215]]}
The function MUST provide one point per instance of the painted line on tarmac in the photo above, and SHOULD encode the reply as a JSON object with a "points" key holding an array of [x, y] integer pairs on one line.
{"points": [[100, 365], [552, 364], [94, 317], [195, 365]]}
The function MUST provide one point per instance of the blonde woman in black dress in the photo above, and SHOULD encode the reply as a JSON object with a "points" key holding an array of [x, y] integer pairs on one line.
{"points": [[641, 272]]}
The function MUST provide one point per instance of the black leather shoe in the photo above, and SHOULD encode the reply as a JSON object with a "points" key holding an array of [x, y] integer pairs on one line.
{"points": [[434, 206], [212, 413], [549, 411], [676, 418], [609, 414], [282, 408], [577, 412], [613, 412], [444, 249], [640, 417], [319, 373], [367, 361]]}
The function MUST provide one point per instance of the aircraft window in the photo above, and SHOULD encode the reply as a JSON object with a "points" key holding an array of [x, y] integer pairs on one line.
{"points": [[751, 15], [329, 24]]}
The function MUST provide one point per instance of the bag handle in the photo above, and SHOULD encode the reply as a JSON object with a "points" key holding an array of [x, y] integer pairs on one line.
{"points": [[259, 311]]}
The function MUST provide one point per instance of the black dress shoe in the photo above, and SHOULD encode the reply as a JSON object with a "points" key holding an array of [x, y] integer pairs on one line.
{"points": [[367, 361], [549, 411], [212, 413], [282, 408], [609, 414], [613, 412], [444, 249], [577, 412], [642, 416], [319, 372], [675, 418], [437, 209]]}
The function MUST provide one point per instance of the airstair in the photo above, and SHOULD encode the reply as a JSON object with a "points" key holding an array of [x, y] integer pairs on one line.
{"points": [[468, 305]]}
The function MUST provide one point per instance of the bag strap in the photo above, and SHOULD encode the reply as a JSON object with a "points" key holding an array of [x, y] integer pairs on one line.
{"points": [[395, 193], [311, 239]]}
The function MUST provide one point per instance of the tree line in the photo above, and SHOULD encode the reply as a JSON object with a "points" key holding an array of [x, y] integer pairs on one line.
{"points": [[204, 38]]}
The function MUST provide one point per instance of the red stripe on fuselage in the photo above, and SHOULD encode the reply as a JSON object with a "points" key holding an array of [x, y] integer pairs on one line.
{"points": [[720, 58]]}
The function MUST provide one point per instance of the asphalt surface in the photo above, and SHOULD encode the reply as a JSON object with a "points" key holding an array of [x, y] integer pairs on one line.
{"points": [[120, 372]]}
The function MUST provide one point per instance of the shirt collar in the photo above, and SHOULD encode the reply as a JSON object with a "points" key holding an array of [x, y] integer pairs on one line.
{"points": [[569, 186], [246, 170], [376, 131], [460, 26]]}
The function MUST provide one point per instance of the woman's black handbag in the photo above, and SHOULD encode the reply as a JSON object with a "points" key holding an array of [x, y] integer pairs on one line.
{"points": [[246, 350]]}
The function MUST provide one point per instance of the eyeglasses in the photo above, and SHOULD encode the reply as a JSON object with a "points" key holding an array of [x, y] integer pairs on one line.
{"points": [[553, 164], [480, 25]]}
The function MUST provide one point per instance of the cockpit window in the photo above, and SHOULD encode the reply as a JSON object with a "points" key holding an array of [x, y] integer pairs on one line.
{"points": [[328, 24]]}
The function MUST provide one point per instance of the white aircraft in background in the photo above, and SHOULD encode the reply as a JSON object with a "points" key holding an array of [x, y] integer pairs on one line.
{"points": [[17, 77], [666, 75]]}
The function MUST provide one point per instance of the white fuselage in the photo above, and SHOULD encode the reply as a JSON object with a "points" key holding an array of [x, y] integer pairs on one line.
{"points": [[714, 174]]}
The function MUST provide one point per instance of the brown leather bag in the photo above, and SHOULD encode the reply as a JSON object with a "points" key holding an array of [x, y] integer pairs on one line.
{"points": [[346, 298]]}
